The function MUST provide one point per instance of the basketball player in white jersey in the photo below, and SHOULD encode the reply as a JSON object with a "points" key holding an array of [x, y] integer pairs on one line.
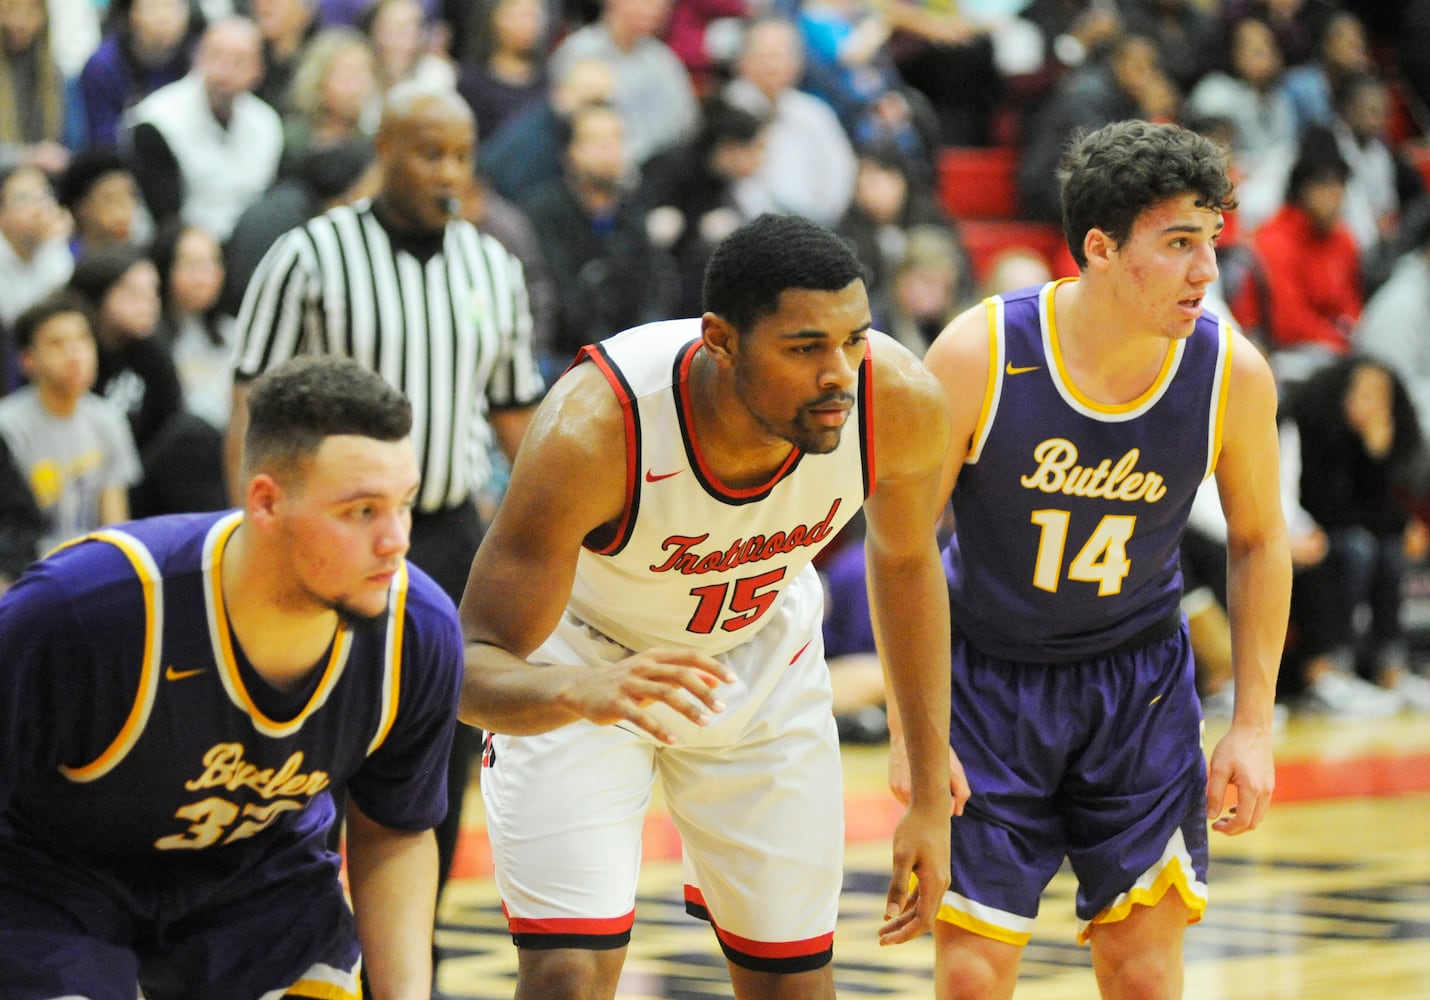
{"points": [[644, 609]]}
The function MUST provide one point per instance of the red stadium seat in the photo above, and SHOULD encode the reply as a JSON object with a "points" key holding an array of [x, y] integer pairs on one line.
{"points": [[977, 183], [1419, 155]]}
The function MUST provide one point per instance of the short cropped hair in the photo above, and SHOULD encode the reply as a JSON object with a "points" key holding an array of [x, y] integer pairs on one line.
{"points": [[755, 264], [298, 404], [58, 303], [1112, 175]]}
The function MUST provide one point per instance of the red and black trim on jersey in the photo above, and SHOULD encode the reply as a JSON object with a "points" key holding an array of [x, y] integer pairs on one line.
{"points": [[782, 957], [596, 354], [684, 413], [865, 391]]}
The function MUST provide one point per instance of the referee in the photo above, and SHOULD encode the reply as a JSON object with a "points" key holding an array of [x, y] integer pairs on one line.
{"points": [[404, 286]]}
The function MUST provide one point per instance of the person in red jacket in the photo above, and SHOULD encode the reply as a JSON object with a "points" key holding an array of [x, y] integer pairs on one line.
{"points": [[1307, 295]]}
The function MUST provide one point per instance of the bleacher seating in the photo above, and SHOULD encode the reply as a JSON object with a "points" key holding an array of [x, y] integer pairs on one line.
{"points": [[985, 239], [1419, 155], [976, 183], [978, 187]]}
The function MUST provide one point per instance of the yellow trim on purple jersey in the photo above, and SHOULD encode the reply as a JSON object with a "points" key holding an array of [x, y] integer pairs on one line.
{"points": [[993, 308], [1063, 379], [152, 584], [1219, 394], [222, 638], [392, 675]]}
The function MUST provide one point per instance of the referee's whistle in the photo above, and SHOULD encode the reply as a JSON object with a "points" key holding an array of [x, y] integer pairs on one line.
{"points": [[452, 206]]}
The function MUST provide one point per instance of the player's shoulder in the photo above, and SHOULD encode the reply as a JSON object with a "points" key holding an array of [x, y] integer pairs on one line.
{"points": [[1250, 371], [1030, 294], [429, 609], [657, 342], [896, 369], [424, 597], [909, 408], [585, 395], [580, 424], [962, 347], [98, 577], [152, 547]]}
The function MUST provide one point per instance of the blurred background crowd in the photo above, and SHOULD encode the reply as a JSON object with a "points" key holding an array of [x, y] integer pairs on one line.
{"points": [[152, 151]]}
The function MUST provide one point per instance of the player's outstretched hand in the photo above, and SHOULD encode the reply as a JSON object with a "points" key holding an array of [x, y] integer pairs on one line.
{"points": [[1242, 761], [622, 691]]}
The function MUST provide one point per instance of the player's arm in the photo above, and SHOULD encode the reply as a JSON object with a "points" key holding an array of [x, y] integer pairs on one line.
{"points": [[569, 479], [509, 425], [393, 878], [909, 601], [958, 358], [1258, 586]]}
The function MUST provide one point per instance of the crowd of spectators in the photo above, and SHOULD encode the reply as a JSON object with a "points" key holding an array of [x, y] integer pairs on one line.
{"points": [[152, 151]]}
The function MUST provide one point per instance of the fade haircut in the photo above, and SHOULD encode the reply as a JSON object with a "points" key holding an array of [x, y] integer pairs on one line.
{"points": [[1112, 175], [756, 263], [294, 407]]}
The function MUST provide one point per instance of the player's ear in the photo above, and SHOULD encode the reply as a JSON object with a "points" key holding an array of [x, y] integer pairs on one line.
{"points": [[262, 497], [1098, 247], [720, 338]]}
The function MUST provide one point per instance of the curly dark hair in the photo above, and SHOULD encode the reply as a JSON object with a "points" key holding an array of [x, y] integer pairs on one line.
{"points": [[1110, 176], [755, 264]]}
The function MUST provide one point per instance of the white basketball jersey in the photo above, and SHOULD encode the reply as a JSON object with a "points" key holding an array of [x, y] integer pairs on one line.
{"points": [[694, 564]]}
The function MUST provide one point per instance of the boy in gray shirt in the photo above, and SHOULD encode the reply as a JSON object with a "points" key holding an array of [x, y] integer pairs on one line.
{"points": [[74, 449]]}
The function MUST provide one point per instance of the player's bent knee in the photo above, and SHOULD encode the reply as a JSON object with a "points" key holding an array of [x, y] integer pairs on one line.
{"points": [[817, 984], [972, 979], [968, 966], [1140, 957], [1146, 977], [568, 973]]}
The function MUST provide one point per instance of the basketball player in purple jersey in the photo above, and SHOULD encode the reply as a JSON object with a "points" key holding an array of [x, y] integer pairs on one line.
{"points": [[645, 609], [178, 694], [1085, 414]]}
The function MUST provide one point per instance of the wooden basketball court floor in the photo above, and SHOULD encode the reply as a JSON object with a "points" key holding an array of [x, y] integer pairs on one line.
{"points": [[1330, 898]]}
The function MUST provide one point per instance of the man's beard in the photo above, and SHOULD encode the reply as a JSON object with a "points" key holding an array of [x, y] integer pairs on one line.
{"points": [[810, 440], [355, 621], [350, 616]]}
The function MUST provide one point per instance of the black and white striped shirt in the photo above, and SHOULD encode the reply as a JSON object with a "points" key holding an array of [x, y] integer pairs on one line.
{"points": [[450, 328]]}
